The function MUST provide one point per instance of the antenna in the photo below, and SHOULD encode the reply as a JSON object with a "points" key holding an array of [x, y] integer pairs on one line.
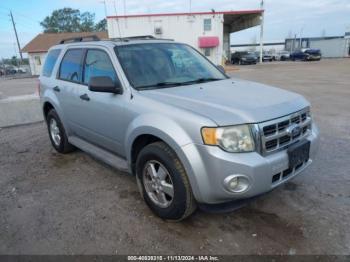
{"points": [[105, 6], [124, 5], [115, 10]]}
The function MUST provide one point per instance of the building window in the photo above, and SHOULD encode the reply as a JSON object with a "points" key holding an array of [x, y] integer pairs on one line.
{"points": [[207, 51], [207, 24], [37, 60]]}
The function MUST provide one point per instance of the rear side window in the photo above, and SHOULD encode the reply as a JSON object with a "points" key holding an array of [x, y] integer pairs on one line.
{"points": [[98, 63], [71, 66], [50, 62]]}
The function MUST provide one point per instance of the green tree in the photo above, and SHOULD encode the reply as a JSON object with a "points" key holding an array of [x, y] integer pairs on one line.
{"points": [[87, 22], [68, 20], [101, 26]]}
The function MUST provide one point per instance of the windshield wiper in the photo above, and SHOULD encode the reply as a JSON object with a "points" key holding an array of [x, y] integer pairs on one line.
{"points": [[202, 80], [161, 85], [166, 84]]}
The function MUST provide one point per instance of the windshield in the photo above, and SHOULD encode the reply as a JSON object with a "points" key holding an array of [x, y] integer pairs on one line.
{"points": [[251, 54], [157, 65], [313, 51]]}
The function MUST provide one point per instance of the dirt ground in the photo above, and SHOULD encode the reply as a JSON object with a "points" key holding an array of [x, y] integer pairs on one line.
{"points": [[73, 204]]}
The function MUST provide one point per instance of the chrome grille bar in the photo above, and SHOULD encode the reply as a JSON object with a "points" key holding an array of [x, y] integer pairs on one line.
{"points": [[276, 134]]}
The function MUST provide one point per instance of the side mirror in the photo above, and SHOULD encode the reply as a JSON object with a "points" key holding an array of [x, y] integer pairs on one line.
{"points": [[221, 68], [104, 84]]}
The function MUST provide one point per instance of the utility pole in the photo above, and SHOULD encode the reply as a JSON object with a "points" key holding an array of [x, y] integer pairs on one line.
{"points": [[301, 33], [18, 45], [262, 31]]}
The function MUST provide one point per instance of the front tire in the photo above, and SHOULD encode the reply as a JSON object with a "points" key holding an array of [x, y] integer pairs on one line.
{"points": [[163, 182], [57, 133]]}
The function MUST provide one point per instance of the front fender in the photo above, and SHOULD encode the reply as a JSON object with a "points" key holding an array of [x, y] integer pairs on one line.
{"points": [[171, 133], [160, 126]]}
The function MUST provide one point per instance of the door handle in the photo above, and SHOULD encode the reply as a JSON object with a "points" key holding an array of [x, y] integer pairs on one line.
{"points": [[85, 97], [56, 89]]}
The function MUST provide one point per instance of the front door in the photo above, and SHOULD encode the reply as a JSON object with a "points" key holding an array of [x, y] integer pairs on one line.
{"points": [[101, 115]]}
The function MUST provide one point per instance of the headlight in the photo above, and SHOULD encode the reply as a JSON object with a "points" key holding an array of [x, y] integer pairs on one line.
{"points": [[233, 139]]}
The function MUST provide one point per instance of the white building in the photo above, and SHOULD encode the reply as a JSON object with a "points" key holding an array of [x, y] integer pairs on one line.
{"points": [[330, 46], [37, 48], [209, 32]]}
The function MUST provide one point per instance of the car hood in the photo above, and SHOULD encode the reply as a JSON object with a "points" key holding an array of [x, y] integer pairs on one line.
{"points": [[231, 101]]}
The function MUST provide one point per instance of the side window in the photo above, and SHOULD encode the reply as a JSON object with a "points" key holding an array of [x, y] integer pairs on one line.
{"points": [[71, 66], [50, 62], [207, 24], [98, 63]]}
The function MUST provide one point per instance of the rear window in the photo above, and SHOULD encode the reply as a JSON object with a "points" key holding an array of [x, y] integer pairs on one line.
{"points": [[50, 62], [71, 66]]}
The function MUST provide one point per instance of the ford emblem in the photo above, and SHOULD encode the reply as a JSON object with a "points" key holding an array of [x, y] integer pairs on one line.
{"points": [[294, 130]]}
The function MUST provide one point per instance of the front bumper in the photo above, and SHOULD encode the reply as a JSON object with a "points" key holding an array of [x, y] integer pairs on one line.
{"points": [[208, 166]]}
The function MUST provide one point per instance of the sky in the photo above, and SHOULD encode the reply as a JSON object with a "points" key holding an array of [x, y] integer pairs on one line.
{"points": [[282, 18]]}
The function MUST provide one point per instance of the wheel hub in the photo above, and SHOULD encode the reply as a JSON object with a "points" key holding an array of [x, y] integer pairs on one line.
{"points": [[158, 184], [55, 132]]}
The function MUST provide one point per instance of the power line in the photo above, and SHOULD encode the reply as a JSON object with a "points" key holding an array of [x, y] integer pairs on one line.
{"points": [[26, 17]]}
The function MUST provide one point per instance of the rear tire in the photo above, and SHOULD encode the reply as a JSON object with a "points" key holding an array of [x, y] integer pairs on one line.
{"points": [[163, 182], [57, 133]]}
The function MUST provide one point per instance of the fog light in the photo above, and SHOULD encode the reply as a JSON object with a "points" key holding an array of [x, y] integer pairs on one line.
{"points": [[236, 183], [233, 183]]}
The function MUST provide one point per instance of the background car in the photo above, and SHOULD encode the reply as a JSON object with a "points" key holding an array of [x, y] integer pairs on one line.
{"points": [[243, 58], [22, 70], [266, 56], [282, 55], [306, 55], [10, 70]]}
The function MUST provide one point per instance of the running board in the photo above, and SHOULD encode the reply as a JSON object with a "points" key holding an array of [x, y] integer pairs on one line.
{"points": [[101, 154]]}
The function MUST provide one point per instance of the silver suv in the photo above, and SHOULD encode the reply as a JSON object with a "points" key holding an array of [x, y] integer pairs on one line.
{"points": [[160, 110]]}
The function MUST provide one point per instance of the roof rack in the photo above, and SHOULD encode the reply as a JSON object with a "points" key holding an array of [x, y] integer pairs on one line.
{"points": [[140, 37], [80, 39]]}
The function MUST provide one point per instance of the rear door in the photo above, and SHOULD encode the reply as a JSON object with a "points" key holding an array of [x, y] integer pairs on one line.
{"points": [[70, 85]]}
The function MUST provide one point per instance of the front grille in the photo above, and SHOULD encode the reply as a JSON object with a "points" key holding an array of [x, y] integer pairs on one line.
{"points": [[277, 134]]}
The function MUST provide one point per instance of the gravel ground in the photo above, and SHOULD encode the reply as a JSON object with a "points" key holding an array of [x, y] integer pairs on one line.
{"points": [[73, 204]]}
